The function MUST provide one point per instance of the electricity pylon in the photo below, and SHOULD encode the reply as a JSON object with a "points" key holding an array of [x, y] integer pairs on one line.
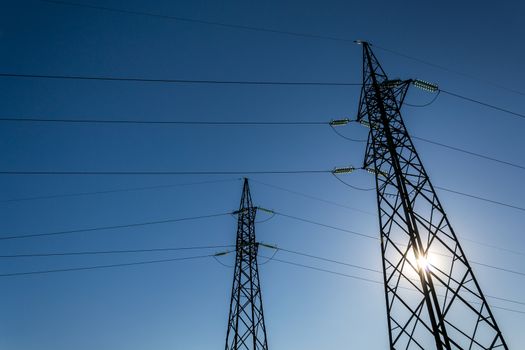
{"points": [[433, 299], [246, 328]]}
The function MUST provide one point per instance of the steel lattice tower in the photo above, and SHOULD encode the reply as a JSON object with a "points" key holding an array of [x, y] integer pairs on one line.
{"points": [[433, 299], [246, 328]]}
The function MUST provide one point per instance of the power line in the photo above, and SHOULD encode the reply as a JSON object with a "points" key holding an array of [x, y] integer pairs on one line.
{"points": [[462, 150], [189, 81], [453, 148], [198, 21], [424, 104], [162, 122], [326, 225], [160, 249], [441, 67], [132, 189], [112, 227], [125, 251], [96, 267], [271, 258], [328, 260], [175, 81], [324, 270], [240, 123], [456, 192], [304, 195], [269, 30], [78, 77], [352, 186], [457, 149], [239, 172], [345, 137], [376, 238], [291, 33], [108, 252], [200, 247], [378, 282], [492, 246], [480, 198], [249, 172], [498, 268], [338, 262], [349, 231], [147, 262], [501, 109]]}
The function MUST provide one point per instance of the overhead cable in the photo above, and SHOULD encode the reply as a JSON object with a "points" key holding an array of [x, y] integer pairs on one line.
{"points": [[501, 109], [111, 227], [161, 122], [274, 31], [111, 252], [446, 69], [175, 81], [375, 281], [129, 189], [317, 223], [96, 267], [480, 198], [462, 150], [233, 172], [304, 195], [198, 21]]}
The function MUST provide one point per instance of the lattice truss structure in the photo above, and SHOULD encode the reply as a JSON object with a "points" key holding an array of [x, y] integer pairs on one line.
{"points": [[246, 328], [433, 299]]}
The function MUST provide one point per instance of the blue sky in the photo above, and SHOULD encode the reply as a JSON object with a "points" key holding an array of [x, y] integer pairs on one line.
{"points": [[184, 305]]}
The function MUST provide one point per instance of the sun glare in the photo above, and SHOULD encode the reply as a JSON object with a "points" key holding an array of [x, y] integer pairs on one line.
{"points": [[423, 263]]}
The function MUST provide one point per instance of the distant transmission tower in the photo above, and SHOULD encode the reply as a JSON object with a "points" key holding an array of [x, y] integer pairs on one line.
{"points": [[433, 299], [246, 328]]}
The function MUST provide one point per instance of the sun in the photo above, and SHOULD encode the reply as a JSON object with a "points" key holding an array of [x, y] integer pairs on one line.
{"points": [[423, 263]]}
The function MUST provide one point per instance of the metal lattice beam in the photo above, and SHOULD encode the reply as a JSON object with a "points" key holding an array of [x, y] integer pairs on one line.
{"points": [[433, 299], [246, 328]]}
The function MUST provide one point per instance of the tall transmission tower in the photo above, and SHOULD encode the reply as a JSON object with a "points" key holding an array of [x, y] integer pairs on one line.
{"points": [[246, 328], [433, 299]]}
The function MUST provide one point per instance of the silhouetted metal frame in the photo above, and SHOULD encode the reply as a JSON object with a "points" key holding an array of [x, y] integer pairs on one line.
{"points": [[440, 305], [246, 327]]}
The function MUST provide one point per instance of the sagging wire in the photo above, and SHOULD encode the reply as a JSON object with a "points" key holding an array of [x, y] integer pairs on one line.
{"points": [[96, 267], [271, 246], [348, 170], [341, 122], [216, 255], [271, 212], [345, 137], [266, 245], [426, 104], [265, 220]]}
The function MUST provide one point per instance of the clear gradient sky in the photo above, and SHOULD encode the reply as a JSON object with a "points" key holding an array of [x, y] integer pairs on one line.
{"points": [[184, 305]]}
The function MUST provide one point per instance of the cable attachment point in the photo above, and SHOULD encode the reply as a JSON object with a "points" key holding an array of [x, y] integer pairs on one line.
{"points": [[366, 124], [242, 211], [425, 85], [391, 83], [343, 170], [267, 245], [222, 253], [339, 122], [265, 210], [376, 172]]}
